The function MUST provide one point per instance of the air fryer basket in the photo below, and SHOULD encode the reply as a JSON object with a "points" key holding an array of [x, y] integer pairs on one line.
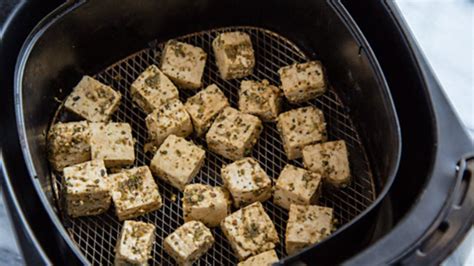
{"points": [[96, 236], [358, 108]]}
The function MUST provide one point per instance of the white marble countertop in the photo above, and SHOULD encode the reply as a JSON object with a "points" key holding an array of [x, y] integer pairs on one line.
{"points": [[444, 30]]}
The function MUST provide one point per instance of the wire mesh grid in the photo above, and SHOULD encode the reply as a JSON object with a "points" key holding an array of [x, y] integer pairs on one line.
{"points": [[96, 236]]}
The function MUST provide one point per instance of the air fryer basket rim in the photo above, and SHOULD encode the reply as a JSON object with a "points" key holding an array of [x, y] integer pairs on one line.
{"points": [[64, 10]]}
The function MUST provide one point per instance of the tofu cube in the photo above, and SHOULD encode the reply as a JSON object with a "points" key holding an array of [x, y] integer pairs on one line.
{"points": [[152, 89], [330, 159], [266, 258], [205, 203], [177, 161], [260, 99], [234, 54], [93, 100], [86, 189], [296, 186], [307, 225], [302, 82], [135, 243], [233, 134], [250, 231], [134, 192], [113, 143], [246, 181], [301, 127], [189, 242], [170, 118], [69, 144], [204, 106], [183, 64]]}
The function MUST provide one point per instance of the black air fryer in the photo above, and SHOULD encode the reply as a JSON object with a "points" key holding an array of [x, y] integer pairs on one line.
{"points": [[411, 200]]}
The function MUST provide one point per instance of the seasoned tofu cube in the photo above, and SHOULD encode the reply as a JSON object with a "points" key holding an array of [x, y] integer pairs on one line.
{"points": [[183, 64], [246, 181], [177, 161], [86, 189], [302, 82], [170, 118], [266, 258], [250, 231], [113, 143], [205, 203], [234, 54], [233, 134], [301, 127], [135, 243], [152, 89], [307, 224], [93, 100], [330, 159], [134, 192], [296, 186], [69, 144], [189, 242], [204, 106], [259, 98]]}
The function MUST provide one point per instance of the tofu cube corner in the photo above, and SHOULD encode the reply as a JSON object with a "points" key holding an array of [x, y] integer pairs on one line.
{"points": [[177, 161], [86, 188], [135, 243], [233, 134], [263, 259], [93, 100], [113, 143], [152, 89], [189, 242], [134, 192], [260, 98], [184, 64], [204, 107], [301, 127], [234, 54], [170, 118], [303, 82], [69, 144], [331, 160], [296, 186], [250, 231], [307, 225], [246, 181], [205, 203]]}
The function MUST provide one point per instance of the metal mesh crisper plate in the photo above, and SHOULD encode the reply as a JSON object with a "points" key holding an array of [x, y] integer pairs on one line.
{"points": [[96, 236]]}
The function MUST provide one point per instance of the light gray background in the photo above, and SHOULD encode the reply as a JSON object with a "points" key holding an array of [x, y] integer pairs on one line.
{"points": [[444, 30]]}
